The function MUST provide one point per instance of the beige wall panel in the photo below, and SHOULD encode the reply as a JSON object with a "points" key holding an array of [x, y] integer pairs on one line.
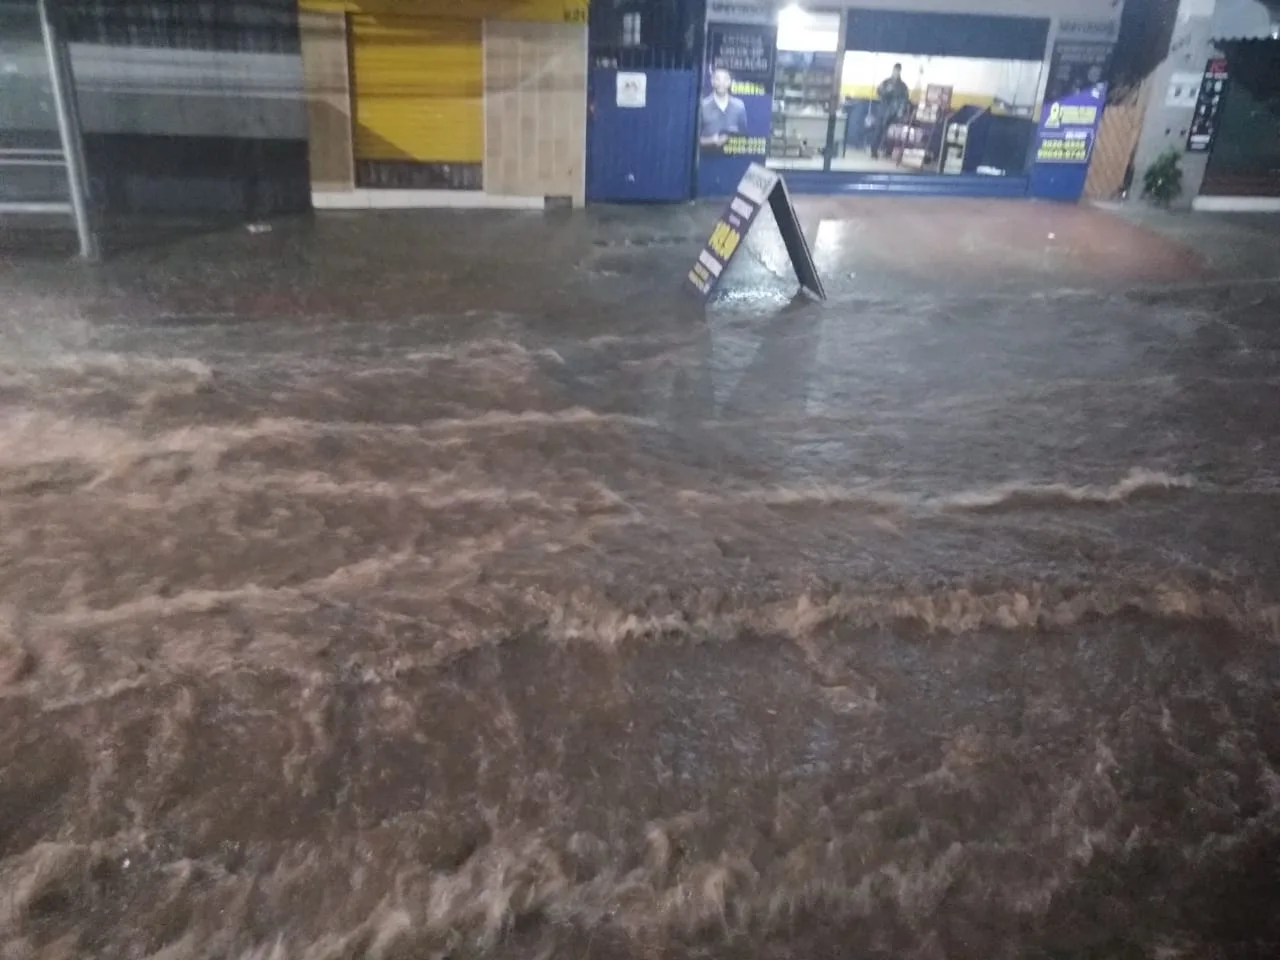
{"points": [[535, 109], [328, 90]]}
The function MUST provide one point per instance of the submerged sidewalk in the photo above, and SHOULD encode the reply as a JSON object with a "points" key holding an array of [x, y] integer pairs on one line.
{"points": [[872, 247]]}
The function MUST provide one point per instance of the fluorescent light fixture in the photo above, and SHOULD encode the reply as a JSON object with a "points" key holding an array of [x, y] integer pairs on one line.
{"points": [[792, 17], [801, 30]]}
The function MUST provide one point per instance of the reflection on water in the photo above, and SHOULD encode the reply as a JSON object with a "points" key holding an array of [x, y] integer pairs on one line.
{"points": [[940, 631]]}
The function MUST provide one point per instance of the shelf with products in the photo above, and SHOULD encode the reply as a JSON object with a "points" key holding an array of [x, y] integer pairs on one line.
{"points": [[917, 141], [906, 141], [800, 134], [804, 80], [803, 93]]}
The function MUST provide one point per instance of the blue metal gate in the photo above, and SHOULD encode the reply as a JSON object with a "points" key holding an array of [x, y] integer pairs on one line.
{"points": [[641, 153]]}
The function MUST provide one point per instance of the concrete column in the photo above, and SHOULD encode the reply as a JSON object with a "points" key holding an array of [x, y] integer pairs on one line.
{"points": [[325, 61], [1190, 48]]}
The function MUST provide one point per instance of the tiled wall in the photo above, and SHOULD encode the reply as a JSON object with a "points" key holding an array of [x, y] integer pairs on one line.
{"points": [[324, 68], [535, 106], [535, 109]]}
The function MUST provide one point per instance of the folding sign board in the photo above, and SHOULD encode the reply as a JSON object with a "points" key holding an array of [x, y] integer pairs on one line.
{"points": [[757, 187]]}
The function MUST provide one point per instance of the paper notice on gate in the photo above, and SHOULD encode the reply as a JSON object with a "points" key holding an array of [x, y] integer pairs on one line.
{"points": [[632, 90]]}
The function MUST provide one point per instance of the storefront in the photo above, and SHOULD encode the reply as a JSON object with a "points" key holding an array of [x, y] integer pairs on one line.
{"points": [[1210, 134], [431, 103], [1237, 124], [903, 96]]}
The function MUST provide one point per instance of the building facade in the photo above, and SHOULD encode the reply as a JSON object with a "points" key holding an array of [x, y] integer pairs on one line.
{"points": [[1242, 170], [925, 96], [183, 110], [1215, 102], [433, 103]]}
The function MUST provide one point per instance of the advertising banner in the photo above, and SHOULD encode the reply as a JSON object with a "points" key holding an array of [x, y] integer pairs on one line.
{"points": [[1076, 66], [737, 90], [735, 106], [758, 186], [731, 228], [1068, 126]]}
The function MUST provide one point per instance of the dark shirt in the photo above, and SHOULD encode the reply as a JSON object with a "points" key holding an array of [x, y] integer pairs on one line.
{"points": [[732, 119], [894, 95]]}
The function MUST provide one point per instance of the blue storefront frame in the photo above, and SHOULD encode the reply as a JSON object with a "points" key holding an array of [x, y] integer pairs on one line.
{"points": [[855, 183], [837, 183]]}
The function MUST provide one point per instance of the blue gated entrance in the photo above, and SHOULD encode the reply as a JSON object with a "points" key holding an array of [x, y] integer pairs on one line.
{"points": [[640, 135], [642, 96]]}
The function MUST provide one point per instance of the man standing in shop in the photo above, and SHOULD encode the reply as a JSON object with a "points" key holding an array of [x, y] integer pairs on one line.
{"points": [[894, 97], [722, 115]]}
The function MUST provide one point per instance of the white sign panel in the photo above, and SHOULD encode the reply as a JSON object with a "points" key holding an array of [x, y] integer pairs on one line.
{"points": [[742, 11], [757, 183], [1184, 88], [1095, 31], [632, 89]]}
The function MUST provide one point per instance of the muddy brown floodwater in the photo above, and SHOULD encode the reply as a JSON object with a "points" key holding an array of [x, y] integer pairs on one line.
{"points": [[502, 621]]}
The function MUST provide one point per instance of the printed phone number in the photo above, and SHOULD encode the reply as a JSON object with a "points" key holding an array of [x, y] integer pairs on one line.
{"points": [[743, 146], [1063, 151]]}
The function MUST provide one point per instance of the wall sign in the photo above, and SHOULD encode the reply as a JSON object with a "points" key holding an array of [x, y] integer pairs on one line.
{"points": [[736, 107], [1068, 126], [1075, 66], [1204, 123], [632, 89], [758, 186], [1184, 90], [1098, 31], [742, 11]]}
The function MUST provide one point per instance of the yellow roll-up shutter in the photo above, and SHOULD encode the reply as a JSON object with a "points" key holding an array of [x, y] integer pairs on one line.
{"points": [[419, 89]]}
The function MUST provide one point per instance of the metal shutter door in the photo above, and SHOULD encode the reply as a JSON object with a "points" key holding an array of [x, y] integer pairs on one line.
{"points": [[419, 89]]}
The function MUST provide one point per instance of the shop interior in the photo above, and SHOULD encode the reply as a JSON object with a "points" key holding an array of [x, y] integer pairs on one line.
{"points": [[963, 114], [804, 89]]}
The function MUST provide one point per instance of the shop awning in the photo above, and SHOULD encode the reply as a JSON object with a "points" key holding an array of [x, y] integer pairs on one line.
{"points": [[1236, 20], [947, 34]]}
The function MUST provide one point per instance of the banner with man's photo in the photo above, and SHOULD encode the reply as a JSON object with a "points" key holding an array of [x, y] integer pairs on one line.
{"points": [[736, 105]]}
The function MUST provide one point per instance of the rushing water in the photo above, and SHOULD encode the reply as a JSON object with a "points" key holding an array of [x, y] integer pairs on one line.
{"points": [[919, 628]]}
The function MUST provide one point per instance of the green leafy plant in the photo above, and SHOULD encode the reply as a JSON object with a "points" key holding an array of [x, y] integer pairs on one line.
{"points": [[1162, 181]]}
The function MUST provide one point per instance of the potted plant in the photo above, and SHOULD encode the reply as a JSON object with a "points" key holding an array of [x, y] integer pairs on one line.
{"points": [[1162, 181]]}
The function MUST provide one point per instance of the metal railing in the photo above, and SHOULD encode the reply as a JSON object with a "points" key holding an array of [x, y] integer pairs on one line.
{"points": [[646, 34], [69, 158]]}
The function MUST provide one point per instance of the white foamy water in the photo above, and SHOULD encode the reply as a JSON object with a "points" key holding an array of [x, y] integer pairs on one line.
{"points": [[1135, 482]]}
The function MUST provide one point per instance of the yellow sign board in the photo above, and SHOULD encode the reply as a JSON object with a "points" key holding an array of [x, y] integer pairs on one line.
{"points": [[1071, 115]]}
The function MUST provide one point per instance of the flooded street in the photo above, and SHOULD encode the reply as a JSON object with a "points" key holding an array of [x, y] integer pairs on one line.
{"points": [[406, 587]]}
